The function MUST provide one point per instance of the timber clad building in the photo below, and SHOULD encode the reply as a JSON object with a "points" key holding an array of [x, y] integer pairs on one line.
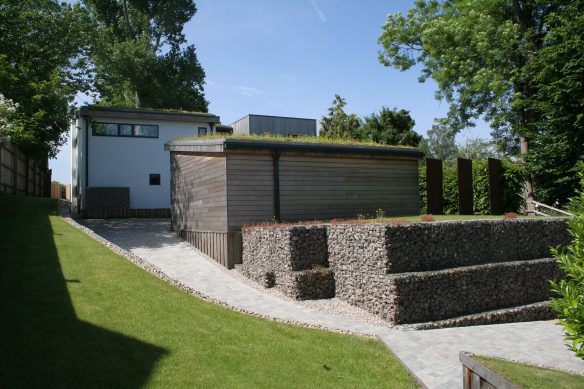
{"points": [[219, 185]]}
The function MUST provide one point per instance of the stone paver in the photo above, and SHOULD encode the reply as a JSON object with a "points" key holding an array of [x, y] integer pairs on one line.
{"points": [[432, 355]]}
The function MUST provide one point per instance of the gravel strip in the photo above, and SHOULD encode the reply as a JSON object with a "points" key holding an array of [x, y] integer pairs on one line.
{"points": [[65, 214]]}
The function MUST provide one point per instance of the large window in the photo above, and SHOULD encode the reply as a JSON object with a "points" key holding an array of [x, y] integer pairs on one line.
{"points": [[120, 129]]}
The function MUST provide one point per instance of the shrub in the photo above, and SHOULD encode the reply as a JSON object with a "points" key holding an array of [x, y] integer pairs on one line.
{"points": [[570, 303]]}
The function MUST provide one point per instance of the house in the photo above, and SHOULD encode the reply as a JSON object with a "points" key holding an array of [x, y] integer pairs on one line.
{"points": [[274, 125], [119, 165]]}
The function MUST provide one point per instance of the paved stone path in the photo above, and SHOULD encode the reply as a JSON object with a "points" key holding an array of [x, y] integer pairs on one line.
{"points": [[432, 355]]}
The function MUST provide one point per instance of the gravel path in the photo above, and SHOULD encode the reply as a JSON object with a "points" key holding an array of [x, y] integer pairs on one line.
{"points": [[431, 355]]}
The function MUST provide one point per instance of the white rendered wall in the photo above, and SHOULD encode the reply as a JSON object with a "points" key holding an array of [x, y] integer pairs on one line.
{"points": [[128, 161]]}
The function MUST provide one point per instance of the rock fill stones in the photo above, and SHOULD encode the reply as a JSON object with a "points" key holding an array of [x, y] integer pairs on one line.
{"points": [[416, 272]]}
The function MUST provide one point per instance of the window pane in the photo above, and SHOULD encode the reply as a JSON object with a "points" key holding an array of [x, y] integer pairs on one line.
{"points": [[126, 130], [106, 129], [202, 131], [144, 130], [154, 179]]}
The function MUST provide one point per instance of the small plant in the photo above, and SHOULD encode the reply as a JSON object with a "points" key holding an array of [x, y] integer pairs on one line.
{"points": [[427, 218], [510, 215], [380, 213]]}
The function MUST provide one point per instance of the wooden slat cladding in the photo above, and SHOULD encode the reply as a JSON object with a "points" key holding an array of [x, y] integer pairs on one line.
{"points": [[199, 192], [223, 247], [324, 188], [250, 190]]}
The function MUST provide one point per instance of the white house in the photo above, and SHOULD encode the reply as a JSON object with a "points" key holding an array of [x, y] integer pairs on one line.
{"points": [[118, 150]]}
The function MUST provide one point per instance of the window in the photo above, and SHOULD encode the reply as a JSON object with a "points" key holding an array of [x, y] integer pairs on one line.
{"points": [[105, 129], [125, 130], [202, 131], [145, 131], [155, 179]]}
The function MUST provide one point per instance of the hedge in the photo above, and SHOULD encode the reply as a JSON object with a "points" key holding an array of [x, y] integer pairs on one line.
{"points": [[512, 181]]}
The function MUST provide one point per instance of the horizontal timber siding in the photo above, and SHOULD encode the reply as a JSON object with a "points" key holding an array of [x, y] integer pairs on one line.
{"points": [[325, 188], [250, 190], [223, 247], [199, 192]]}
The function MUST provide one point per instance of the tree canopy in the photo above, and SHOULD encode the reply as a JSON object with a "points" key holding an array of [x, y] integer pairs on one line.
{"points": [[139, 55], [489, 59], [338, 124], [41, 43], [390, 127]]}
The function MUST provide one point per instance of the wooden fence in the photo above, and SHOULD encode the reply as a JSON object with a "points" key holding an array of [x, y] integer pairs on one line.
{"points": [[21, 175]]}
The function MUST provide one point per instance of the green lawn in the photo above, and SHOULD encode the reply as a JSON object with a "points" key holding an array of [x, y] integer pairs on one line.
{"points": [[74, 314], [529, 376]]}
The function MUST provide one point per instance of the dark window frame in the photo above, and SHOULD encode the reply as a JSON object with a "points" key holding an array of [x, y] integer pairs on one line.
{"points": [[119, 135], [155, 177], [202, 128]]}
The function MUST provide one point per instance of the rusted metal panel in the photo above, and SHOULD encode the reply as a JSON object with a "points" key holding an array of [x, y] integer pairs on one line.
{"points": [[434, 186], [495, 172], [465, 192]]}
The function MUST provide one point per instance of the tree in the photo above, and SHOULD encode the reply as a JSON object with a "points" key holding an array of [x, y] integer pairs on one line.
{"points": [[390, 127], [40, 63], [139, 56], [439, 143], [8, 124], [478, 149], [337, 124], [558, 75], [478, 51]]}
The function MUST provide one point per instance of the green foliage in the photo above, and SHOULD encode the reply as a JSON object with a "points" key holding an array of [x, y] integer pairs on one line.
{"points": [[41, 43], [576, 204], [570, 303], [390, 127], [478, 149], [439, 143], [337, 124], [512, 187], [517, 64], [139, 56]]}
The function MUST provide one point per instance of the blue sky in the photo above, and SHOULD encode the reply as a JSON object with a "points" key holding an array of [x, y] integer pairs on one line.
{"points": [[290, 57]]}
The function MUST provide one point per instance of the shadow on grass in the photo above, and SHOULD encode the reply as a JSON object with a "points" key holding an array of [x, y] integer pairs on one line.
{"points": [[42, 342]]}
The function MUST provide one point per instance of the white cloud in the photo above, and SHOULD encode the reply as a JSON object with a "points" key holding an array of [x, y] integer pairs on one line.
{"points": [[318, 11], [247, 91]]}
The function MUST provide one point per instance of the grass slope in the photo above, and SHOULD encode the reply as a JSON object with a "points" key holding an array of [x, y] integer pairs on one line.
{"points": [[529, 376], [74, 314]]}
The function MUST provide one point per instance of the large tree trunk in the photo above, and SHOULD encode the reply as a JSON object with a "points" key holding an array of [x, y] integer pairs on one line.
{"points": [[136, 99], [528, 188]]}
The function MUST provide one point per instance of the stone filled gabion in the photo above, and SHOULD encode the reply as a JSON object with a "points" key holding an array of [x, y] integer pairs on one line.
{"points": [[399, 248], [285, 248], [418, 272], [436, 295]]}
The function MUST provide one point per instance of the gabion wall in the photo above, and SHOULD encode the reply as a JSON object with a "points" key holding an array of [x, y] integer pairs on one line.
{"points": [[416, 272]]}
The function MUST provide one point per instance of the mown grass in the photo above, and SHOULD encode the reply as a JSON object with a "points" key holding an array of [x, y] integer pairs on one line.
{"points": [[529, 376], [299, 139], [74, 314]]}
